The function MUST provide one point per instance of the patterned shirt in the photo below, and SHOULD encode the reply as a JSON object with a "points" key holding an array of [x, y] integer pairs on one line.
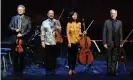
{"points": [[48, 31], [74, 31]]}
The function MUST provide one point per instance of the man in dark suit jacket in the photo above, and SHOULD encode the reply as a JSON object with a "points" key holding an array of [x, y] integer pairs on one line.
{"points": [[112, 40], [19, 23]]}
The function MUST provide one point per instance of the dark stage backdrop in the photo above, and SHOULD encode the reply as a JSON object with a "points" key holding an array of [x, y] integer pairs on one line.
{"points": [[97, 10], [89, 10]]}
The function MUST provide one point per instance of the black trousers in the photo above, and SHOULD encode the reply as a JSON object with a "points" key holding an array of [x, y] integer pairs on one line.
{"points": [[18, 62], [50, 57], [72, 56], [112, 58]]}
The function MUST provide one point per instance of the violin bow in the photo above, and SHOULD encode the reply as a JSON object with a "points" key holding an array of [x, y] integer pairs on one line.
{"points": [[89, 25], [127, 36], [61, 14]]}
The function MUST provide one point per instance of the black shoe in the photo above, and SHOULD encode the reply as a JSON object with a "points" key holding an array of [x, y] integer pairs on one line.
{"points": [[53, 72], [47, 73], [131, 74], [17, 74], [111, 74]]}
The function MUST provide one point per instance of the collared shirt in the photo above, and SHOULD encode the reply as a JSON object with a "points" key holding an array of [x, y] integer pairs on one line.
{"points": [[19, 23], [114, 24], [114, 29], [48, 31]]}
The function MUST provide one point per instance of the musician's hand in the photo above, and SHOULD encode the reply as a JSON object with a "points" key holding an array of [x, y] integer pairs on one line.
{"points": [[84, 32], [69, 45], [17, 30], [19, 35], [121, 45], [43, 45], [106, 46]]}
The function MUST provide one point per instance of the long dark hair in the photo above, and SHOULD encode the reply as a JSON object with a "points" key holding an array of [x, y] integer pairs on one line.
{"points": [[70, 17]]}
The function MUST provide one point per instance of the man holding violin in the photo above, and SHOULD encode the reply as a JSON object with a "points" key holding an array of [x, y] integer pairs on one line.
{"points": [[112, 40], [20, 25], [48, 39]]}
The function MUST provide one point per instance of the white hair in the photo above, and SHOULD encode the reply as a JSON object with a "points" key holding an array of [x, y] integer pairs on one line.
{"points": [[22, 6], [50, 10], [113, 10]]}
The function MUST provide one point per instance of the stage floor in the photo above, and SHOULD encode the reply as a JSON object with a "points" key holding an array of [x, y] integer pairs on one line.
{"points": [[98, 72]]}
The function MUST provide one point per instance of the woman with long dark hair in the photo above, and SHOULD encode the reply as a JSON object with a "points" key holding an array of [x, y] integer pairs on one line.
{"points": [[73, 35]]}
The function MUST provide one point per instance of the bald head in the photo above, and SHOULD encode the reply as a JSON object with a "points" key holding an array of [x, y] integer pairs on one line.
{"points": [[50, 14]]}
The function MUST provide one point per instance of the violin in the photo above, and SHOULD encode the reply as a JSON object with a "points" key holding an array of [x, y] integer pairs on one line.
{"points": [[58, 36], [19, 47], [85, 55]]}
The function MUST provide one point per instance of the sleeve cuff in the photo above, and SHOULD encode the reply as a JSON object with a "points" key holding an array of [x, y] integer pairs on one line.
{"points": [[43, 43]]}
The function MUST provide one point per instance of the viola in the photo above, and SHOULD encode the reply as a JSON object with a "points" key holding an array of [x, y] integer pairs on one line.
{"points": [[19, 47], [122, 55]]}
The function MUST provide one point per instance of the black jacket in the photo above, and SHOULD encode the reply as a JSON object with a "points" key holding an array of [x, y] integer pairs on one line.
{"points": [[26, 27], [108, 33]]}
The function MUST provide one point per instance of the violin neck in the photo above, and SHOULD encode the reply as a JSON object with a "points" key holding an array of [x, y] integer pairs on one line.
{"points": [[20, 32]]}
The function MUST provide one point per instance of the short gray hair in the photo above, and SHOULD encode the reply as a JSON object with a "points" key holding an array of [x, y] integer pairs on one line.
{"points": [[21, 6], [113, 10], [50, 10]]}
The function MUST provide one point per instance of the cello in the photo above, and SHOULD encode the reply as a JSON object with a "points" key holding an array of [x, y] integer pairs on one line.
{"points": [[85, 55], [19, 42]]}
